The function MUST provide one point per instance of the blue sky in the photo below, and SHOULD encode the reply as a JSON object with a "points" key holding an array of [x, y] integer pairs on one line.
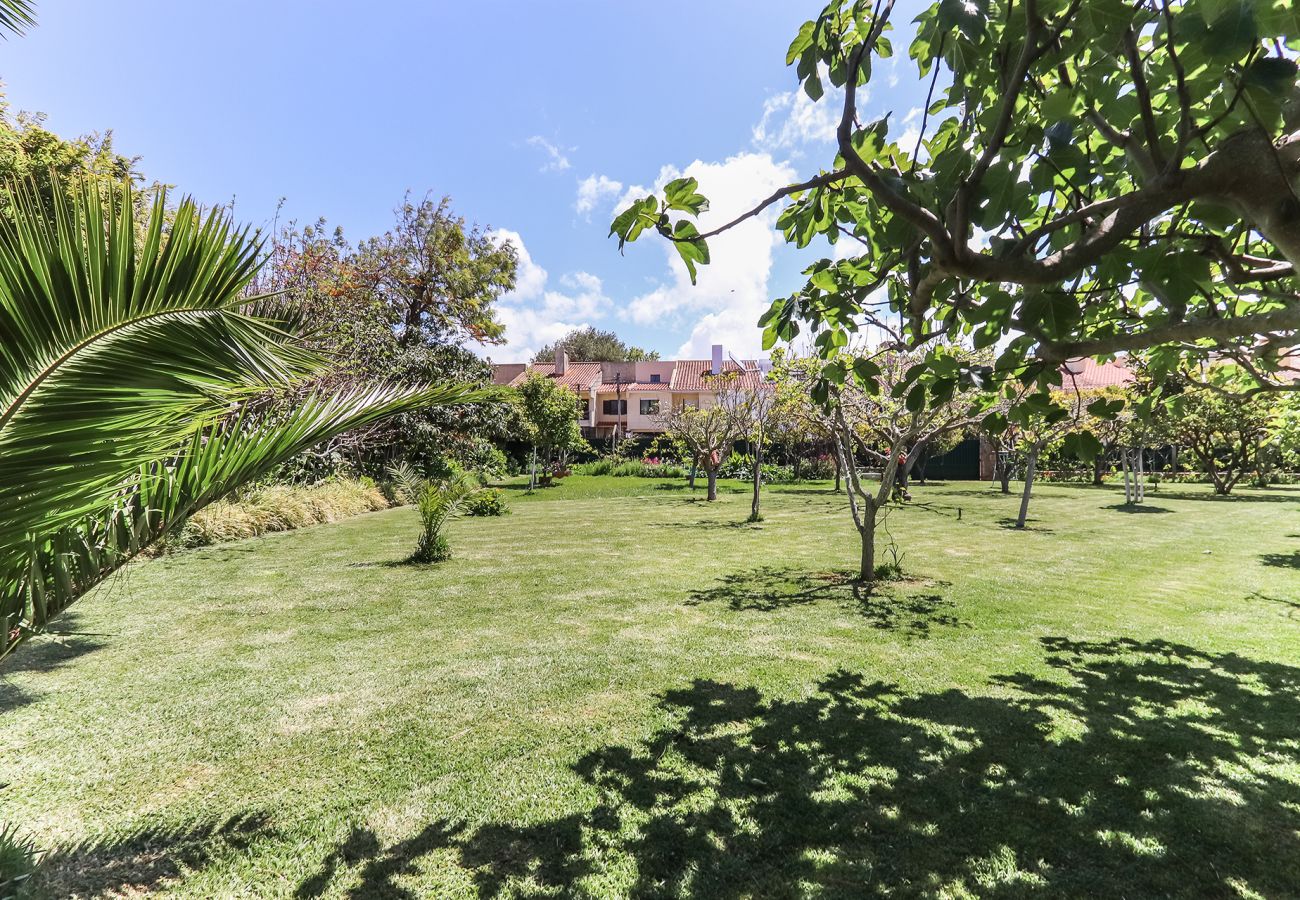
{"points": [[535, 117]]}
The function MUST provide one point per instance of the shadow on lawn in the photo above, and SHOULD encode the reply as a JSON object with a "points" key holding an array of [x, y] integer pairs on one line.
{"points": [[44, 653], [770, 588], [1126, 769], [136, 863], [1137, 508], [1239, 496], [1009, 522], [1281, 560]]}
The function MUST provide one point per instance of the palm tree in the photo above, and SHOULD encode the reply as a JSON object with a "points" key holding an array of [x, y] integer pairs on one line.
{"points": [[139, 383]]}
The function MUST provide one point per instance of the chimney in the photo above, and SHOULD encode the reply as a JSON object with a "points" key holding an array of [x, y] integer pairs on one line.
{"points": [[561, 361], [717, 359]]}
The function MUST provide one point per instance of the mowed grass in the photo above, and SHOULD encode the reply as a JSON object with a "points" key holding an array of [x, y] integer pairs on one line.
{"points": [[621, 690]]}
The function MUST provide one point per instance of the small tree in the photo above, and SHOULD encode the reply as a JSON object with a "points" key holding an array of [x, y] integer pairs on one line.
{"points": [[796, 414], [1112, 432], [1024, 425], [1280, 447], [550, 418], [708, 433], [753, 411], [1221, 428], [880, 411]]}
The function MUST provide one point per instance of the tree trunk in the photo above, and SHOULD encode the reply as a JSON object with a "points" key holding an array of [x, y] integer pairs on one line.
{"points": [[1098, 470], [1029, 486], [532, 477], [713, 484], [758, 482], [837, 473], [867, 571], [690, 480], [1004, 474]]}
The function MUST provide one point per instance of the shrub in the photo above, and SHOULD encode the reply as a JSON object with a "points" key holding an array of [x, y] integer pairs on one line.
{"points": [[484, 458], [595, 467], [487, 502], [630, 468], [278, 507], [18, 858], [818, 468], [741, 467]]}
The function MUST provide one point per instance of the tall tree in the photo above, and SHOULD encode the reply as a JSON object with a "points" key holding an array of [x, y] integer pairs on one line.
{"points": [[438, 277], [593, 345], [401, 307], [1088, 178]]}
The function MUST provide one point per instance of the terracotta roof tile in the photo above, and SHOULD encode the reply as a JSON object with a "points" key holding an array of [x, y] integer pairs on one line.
{"points": [[578, 376], [691, 375], [1088, 374]]}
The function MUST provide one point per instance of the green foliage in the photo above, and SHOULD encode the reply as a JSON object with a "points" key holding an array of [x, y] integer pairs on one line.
{"points": [[740, 466], [400, 307], [1090, 178], [139, 383], [32, 154], [438, 501], [18, 860], [1224, 432], [487, 502], [630, 468], [592, 344], [550, 414]]}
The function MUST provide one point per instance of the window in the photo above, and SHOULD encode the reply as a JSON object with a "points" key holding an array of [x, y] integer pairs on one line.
{"points": [[584, 411], [654, 379], [649, 407], [615, 407]]}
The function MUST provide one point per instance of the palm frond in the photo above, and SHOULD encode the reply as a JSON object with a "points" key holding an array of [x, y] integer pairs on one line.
{"points": [[113, 351], [440, 502], [16, 16], [58, 570], [407, 483]]}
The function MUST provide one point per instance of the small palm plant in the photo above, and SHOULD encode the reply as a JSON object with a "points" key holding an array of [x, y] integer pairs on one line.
{"points": [[438, 502]]}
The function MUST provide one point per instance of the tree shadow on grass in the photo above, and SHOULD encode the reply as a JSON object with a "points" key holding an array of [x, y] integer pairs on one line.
{"points": [[1009, 523], [1117, 768], [145, 859], [1247, 496], [1281, 560], [710, 523], [771, 588], [45, 653], [1291, 608], [1137, 508]]}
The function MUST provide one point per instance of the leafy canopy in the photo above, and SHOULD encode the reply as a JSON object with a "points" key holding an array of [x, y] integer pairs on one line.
{"points": [[1091, 178], [593, 345]]}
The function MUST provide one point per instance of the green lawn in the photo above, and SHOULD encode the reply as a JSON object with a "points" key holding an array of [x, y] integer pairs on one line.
{"points": [[620, 690]]}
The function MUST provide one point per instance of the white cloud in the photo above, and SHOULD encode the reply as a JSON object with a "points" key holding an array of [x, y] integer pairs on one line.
{"points": [[792, 119], [732, 292], [534, 316], [530, 278], [592, 190], [556, 161]]}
